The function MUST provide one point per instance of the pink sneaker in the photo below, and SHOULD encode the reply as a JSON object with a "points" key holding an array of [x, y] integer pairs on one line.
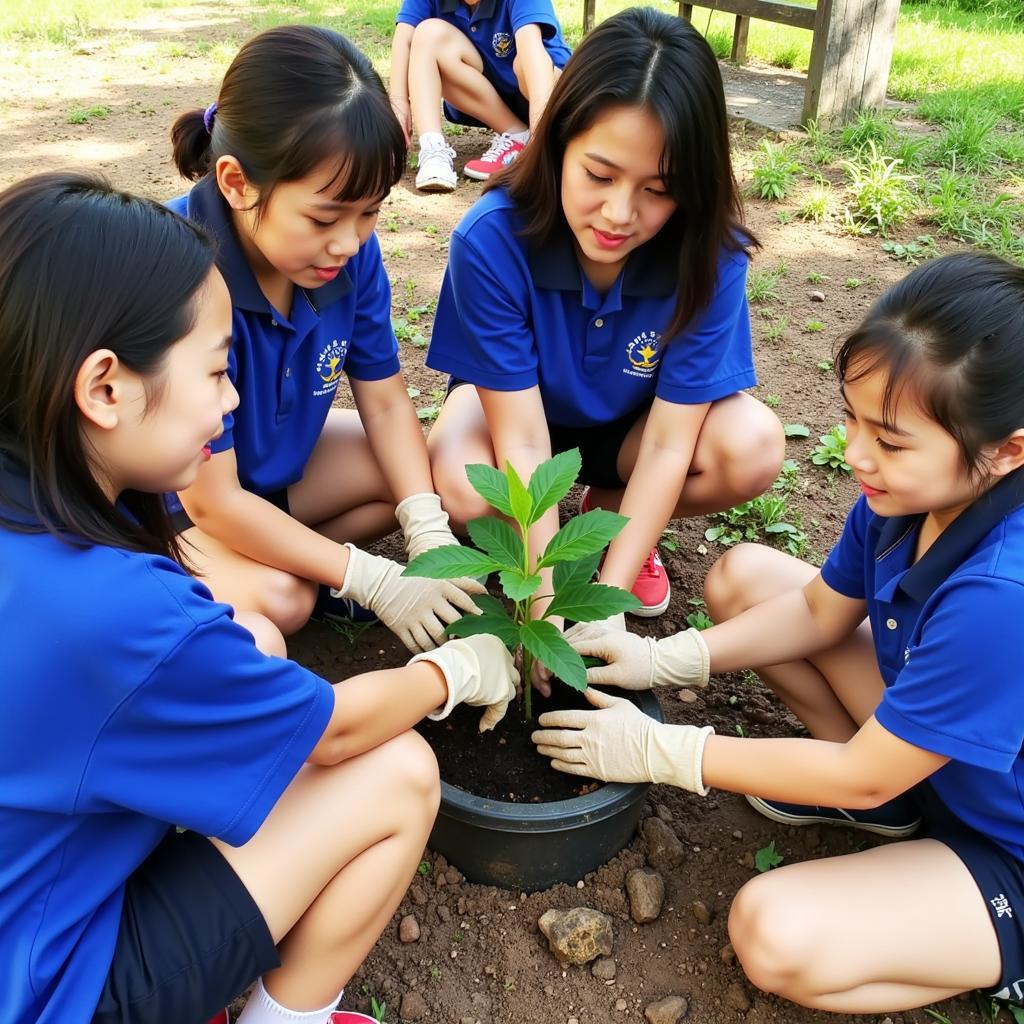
{"points": [[501, 152], [350, 1017], [221, 1018], [651, 585]]}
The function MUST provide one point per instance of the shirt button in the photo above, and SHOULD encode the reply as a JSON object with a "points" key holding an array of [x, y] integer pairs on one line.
{"points": [[472, 28], [288, 373], [273, 322], [599, 322], [891, 623]]}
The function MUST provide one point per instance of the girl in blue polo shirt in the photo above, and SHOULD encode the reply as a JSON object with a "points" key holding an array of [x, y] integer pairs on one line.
{"points": [[903, 656], [595, 297], [292, 163], [134, 703]]}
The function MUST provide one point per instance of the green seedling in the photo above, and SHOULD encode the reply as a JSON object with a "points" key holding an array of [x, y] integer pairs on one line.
{"points": [[391, 224], [817, 205], [784, 216], [761, 286], [772, 401], [766, 517], [80, 115], [788, 479], [815, 278], [922, 248], [774, 172], [815, 326], [423, 868], [740, 731], [767, 858], [796, 430], [832, 450], [852, 283], [428, 413], [572, 553], [883, 197], [378, 1010], [826, 365], [350, 630], [669, 540], [940, 1017], [699, 620], [405, 331]]}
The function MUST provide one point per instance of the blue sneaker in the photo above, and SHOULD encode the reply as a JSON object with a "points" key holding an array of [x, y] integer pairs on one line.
{"points": [[895, 819], [342, 610]]}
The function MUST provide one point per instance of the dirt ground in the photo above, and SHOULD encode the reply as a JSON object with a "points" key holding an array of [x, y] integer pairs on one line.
{"points": [[479, 958]]}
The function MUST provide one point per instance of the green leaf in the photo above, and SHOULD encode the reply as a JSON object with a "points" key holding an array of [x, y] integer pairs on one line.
{"points": [[490, 605], [519, 497], [589, 602], [518, 587], [552, 480], [500, 626], [582, 535], [796, 430], [498, 539], [544, 641], [450, 562], [767, 858], [491, 485], [580, 571]]}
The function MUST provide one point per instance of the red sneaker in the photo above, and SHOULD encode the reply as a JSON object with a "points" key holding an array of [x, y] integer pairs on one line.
{"points": [[651, 585], [221, 1018], [501, 152]]}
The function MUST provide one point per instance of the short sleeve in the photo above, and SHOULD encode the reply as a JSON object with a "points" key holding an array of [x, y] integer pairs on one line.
{"points": [[959, 693], [843, 570], [412, 12], [373, 350], [534, 12], [212, 736], [714, 357], [482, 331]]}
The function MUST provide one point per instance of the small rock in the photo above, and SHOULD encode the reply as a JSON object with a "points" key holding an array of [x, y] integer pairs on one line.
{"points": [[737, 834], [408, 929], [702, 549], [453, 876], [666, 1011], [686, 696], [549, 990], [816, 296], [444, 914], [736, 997], [664, 850], [646, 890], [577, 936], [604, 969], [662, 811], [887, 1020], [573, 1020], [728, 954], [620, 1004], [468, 1020], [701, 912], [418, 896], [414, 1006]]}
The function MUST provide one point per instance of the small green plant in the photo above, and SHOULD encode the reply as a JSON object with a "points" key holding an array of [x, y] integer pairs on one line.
{"points": [[572, 553], [883, 197], [940, 1017], [814, 326], [832, 450], [405, 331], [826, 365], [867, 128], [423, 868], [816, 207], [80, 115], [350, 630], [922, 248], [788, 479], [699, 620], [435, 972], [796, 430], [772, 401], [852, 283], [391, 224], [430, 229], [767, 858], [761, 286], [766, 517], [378, 1009], [814, 277], [774, 172], [775, 331], [669, 540], [413, 313], [784, 216]]}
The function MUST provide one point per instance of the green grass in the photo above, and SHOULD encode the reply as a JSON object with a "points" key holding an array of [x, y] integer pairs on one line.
{"points": [[64, 21]]}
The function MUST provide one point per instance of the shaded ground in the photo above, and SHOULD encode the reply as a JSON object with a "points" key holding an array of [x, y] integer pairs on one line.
{"points": [[479, 957]]}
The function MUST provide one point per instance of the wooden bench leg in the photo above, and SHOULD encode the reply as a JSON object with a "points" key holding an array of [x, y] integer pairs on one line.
{"points": [[739, 39], [686, 11], [589, 15]]}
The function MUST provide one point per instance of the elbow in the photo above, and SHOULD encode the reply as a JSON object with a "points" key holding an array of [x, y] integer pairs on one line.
{"points": [[331, 750], [867, 798]]}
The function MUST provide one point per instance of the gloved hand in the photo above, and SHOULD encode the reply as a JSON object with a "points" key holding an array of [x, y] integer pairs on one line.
{"points": [[424, 524], [478, 671], [415, 610], [619, 743], [640, 662]]}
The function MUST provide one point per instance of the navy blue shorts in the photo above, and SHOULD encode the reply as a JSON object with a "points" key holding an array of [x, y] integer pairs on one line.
{"points": [[180, 521], [599, 445], [191, 938], [1000, 877]]}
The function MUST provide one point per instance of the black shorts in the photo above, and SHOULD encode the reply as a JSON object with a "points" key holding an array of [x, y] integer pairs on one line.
{"points": [[599, 446], [515, 101], [191, 938], [180, 521], [1000, 877]]}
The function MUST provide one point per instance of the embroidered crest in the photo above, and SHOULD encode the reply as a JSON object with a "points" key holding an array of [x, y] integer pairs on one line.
{"points": [[501, 43]]}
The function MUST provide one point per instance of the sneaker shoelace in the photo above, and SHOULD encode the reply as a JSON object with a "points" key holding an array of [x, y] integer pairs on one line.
{"points": [[438, 149], [650, 569], [501, 144]]}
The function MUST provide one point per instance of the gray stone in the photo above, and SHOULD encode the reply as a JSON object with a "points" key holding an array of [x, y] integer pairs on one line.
{"points": [[414, 1007], [666, 1011], [816, 296], [646, 890], [687, 696], [408, 929], [604, 969], [663, 849], [577, 936]]}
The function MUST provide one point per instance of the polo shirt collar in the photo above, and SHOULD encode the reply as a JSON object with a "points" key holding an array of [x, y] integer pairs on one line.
{"points": [[483, 9], [957, 541], [650, 272], [206, 206]]}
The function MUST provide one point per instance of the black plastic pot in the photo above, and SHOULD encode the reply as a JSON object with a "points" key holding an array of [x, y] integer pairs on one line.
{"points": [[527, 846]]}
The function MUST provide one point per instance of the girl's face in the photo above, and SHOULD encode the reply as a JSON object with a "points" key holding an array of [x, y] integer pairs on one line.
{"points": [[613, 195], [914, 466], [161, 441], [302, 234]]}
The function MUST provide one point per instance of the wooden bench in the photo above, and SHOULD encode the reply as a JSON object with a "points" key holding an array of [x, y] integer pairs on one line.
{"points": [[851, 49]]}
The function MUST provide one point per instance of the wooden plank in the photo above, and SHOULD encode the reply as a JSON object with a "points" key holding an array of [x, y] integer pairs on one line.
{"points": [[739, 39], [686, 11], [589, 15], [879, 61], [765, 10]]}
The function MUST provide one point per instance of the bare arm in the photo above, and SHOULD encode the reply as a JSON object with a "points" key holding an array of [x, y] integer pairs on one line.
{"points": [[536, 69], [398, 84]]}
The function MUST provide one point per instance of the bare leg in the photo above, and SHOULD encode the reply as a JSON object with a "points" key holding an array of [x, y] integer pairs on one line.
{"points": [[332, 861], [892, 928]]}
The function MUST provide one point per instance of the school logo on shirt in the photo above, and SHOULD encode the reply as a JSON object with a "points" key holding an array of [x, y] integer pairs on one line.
{"points": [[329, 366], [501, 42], [643, 353]]}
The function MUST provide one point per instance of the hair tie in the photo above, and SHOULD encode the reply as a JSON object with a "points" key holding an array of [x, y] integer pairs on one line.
{"points": [[208, 116]]}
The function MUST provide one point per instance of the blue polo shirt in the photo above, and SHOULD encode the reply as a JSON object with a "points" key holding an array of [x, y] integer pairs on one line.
{"points": [[287, 367], [131, 703], [511, 316], [491, 26], [950, 647]]}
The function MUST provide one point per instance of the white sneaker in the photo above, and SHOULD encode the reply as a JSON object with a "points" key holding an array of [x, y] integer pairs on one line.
{"points": [[437, 169]]}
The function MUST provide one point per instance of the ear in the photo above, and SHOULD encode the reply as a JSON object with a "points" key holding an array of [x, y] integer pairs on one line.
{"points": [[99, 387], [1009, 455], [234, 186]]}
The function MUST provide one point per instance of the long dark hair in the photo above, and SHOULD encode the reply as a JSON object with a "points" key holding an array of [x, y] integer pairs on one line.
{"points": [[84, 266], [645, 58], [951, 335], [293, 99]]}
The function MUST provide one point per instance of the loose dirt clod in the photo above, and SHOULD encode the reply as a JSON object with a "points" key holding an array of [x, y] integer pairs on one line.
{"points": [[408, 929], [577, 936], [414, 1007], [666, 1011], [664, 850], [646, 890]]}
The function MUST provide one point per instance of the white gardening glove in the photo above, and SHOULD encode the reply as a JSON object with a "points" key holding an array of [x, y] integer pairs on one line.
{"points": [[478, 671], [416, 610], [640, 662], [619, 743], [424, 524]]}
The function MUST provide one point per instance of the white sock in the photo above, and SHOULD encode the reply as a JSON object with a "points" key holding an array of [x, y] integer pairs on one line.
{"points": [[523, 136], [431, 140], [262, 1008]]}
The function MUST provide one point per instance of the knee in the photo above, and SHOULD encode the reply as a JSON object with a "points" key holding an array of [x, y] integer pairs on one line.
{"points": [[287, 600], [774, 937], [431, 37], [412, 771], [728, 588], [753, 456], [457, 496]]}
